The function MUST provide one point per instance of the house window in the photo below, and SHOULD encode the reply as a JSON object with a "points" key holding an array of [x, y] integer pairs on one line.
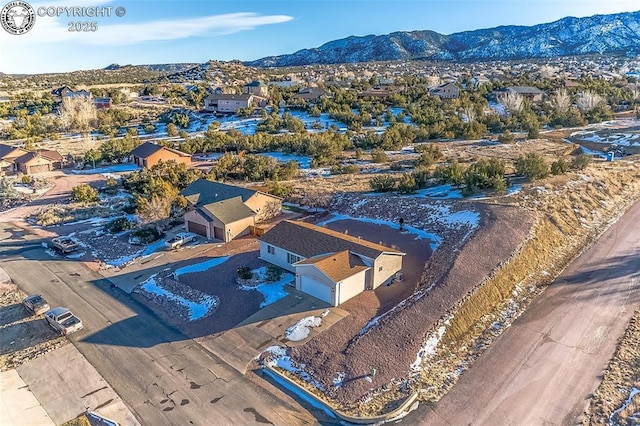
{"points": [[292, 258], [271, 250]]}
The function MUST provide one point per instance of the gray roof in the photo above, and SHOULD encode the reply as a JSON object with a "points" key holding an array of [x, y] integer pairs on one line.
{"points": [[229, 96], [525, 90], [309, 240], [203, 192], [148, 148], [227, 211]]}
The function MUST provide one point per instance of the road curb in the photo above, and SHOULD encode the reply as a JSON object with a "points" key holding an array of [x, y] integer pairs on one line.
{"points": [[406, 406]]}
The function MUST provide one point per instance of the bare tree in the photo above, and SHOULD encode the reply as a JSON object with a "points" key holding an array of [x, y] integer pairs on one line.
{"points": [[155, 209], [635, 91], [469, 112], [588, 101], [512, 102], [78, 114], [548, 71], [561, 101]]}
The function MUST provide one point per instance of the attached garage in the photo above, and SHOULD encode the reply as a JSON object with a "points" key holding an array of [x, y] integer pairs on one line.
{"points": [[197, 228], [317, 289]]}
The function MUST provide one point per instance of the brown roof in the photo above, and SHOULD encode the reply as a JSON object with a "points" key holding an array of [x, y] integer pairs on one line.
{"points": [[309, 240], [53, 156], [337, 266], [5, 150]]}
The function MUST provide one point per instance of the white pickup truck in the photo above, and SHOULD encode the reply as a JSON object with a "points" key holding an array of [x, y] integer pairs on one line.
{"points": [[63, 320], [180, 239]]}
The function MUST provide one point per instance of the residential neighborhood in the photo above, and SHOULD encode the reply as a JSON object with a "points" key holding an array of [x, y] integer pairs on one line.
{"points": [[445, 234]]}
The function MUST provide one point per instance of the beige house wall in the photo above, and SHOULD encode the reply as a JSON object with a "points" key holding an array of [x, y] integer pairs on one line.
{"points": [[264, 205], [384, 268]]}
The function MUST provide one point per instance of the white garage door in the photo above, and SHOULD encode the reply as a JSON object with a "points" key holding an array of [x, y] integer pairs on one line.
{"points": [[316, 289]]}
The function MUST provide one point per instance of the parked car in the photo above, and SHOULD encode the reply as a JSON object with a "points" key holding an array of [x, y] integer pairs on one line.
{"points": [[180, 239], [65, 244], [36, 304], [63, 320]]}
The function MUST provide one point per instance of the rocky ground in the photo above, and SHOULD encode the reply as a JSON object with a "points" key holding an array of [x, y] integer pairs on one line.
{"points": [[23, 337]]}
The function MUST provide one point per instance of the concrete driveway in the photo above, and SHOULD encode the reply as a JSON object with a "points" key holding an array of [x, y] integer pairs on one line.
{"points": [[239, 346]]}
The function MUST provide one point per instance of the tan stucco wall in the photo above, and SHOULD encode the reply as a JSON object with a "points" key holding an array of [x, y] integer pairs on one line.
{"points": [[261, 203], [163, 155], [193, 216], [390, 264], [350, 287], [238, 228]]}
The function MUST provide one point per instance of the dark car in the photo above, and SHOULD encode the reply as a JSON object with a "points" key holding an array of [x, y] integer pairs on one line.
{"points": [[36, 304]]}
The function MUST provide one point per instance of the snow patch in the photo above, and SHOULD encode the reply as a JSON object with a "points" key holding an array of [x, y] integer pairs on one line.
{"points": [[200, 267], [300, 330], [197, 309]]}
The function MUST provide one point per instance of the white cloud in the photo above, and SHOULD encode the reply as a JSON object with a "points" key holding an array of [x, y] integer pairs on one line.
{"points": [[55, 30]]}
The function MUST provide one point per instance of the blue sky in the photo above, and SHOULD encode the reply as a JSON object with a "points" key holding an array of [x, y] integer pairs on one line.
{"points": [[164, 31]]}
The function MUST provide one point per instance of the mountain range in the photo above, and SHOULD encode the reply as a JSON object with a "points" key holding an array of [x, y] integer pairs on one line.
{"points": [[599, 34]]}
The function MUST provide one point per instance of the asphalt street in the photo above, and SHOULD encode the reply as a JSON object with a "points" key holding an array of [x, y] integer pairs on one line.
{"points": [[542, 370], [163, 377]]}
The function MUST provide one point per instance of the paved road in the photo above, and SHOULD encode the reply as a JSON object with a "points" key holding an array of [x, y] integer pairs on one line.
{"points": [[164, 378], [542, 370]]}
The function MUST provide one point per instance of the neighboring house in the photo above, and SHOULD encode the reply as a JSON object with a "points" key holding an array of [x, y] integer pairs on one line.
{"points": [[40, 161], [79, 94], [330, 266], [8, 155], [61, 91], [149, 154], [102, 103], [256, 87], [479, 80], [310, 94], [378, 92], [446, 91], [228, 103], [531, 93], [219, 211]]}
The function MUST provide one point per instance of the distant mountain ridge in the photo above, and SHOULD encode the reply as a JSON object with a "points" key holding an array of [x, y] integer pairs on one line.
{"points": [[599, 34]]}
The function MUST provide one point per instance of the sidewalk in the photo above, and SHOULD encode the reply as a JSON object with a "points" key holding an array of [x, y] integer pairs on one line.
{"points": [[46, 391]]}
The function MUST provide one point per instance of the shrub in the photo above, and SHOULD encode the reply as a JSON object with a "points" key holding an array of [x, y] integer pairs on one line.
{"points": [[84, 193], [379, 156], [350, 169], [382, 183], [111, 186], [532, 166], [273, 273], [506, 137], [407, 184], [120, 224], [396, 166], [147, 235], [559, 167], [244, 273], [26, 179], [581, 161], [278, 189]]}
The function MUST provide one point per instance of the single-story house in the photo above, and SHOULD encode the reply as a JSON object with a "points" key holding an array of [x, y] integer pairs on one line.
{"points": [[102, 103], [378, 92], [532, 93], [8, 155], [310, 94], [219, 211], [224, 102], [446, 91], [149, 154], [42, 160], [330, 266]]}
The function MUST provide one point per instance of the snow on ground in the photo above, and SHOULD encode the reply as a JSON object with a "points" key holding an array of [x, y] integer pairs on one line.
{"points": [[200, 267], [428, 350], [272, 291], [337, 381], [116, 168], [498, 108], [593, 153], [197, 309], [623, 139], [280, 359], [410, 229], [300, 330], [634, 391]]}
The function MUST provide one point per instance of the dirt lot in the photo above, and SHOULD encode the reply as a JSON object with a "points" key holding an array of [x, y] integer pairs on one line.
{"points": [[23, 337]]}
